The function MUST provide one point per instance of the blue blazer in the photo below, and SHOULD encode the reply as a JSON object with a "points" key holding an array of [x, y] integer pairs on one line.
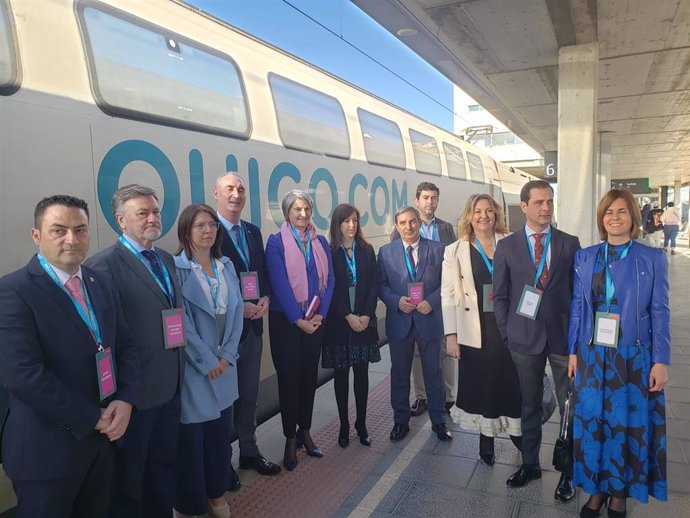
{"points": [[47, 364], [641, 281], [282, 297], [203, 398], [393, 281]]}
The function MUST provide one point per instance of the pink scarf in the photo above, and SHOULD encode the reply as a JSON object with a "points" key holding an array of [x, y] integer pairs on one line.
{"points": [[296, 265]]}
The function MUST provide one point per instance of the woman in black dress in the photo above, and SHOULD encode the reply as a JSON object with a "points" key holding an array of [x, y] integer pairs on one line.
{"points": [[488, 389], [351, 338]]}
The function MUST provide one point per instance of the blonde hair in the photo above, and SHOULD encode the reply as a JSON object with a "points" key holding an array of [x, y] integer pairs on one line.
{"points": [[633, 208], [465, 230]]}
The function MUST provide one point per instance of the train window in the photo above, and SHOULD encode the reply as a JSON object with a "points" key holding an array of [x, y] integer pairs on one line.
{"points": [[455, 162], [383, 142], [143, 71], [476, 167], [426, 156], [9, 67], [309, 120]]}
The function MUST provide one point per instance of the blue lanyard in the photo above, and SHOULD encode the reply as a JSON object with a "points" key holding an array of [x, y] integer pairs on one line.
{"points": [[610, 288], [167, 289], [410, 271], [543, 255], [351, 263], [213, 291], [306, 249], [90, 320], [489, 264], [241, 247], [434, 231]]}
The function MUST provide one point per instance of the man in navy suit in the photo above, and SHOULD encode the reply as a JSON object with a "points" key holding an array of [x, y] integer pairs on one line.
{"points": [[410, 287], [535, 264], [243, 244], [69, 363]]}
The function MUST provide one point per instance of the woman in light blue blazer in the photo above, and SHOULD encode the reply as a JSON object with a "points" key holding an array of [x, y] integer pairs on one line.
{"points": [[213, 325]]}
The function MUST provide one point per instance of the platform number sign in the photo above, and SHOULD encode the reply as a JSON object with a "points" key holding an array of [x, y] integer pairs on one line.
{"points": [[551, 164]]}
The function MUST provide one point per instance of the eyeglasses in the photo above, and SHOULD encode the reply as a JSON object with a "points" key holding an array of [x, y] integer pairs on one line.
{"points": [[211, 225]]}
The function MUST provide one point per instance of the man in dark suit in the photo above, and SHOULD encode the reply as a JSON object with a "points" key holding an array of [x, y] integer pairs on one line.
{"points": [[145, 279], [533, 277], [243, 244], [426, 200], [69, 363], [410, 287]]}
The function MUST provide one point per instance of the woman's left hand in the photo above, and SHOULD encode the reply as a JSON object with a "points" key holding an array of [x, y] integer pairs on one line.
{"points": [[658, 377]]}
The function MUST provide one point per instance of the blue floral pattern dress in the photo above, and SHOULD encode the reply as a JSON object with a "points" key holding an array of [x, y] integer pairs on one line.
{"points": [[619, 427]]}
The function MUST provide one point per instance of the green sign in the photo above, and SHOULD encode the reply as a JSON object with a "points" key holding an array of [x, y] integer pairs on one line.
{"points": [[634, 185]]}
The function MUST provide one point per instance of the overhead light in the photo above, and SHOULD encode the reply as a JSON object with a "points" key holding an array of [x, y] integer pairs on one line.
{"points": [[406, 31]]}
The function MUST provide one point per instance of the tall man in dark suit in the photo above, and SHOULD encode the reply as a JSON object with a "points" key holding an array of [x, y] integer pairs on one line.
{"points": [[533, 277], [410, 287], [426, 200], [243, 244], [145, 279], [69, 363]]}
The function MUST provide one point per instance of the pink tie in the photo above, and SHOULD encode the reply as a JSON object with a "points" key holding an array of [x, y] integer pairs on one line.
{"points": [[73, 285]]}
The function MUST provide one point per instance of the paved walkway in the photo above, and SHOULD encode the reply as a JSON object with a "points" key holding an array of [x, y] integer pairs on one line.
{"points": [[421, 476]]}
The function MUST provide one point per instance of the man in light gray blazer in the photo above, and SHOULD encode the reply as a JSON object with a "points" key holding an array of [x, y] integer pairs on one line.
{"points": [[147, 284]]}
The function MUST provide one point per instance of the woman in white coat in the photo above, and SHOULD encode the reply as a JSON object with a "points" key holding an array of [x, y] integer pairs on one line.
{"points": [[488, 399]]}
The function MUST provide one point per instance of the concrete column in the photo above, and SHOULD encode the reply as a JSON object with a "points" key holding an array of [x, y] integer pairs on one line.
{"points": [[604, 166], [577, 141], [676, 192]]}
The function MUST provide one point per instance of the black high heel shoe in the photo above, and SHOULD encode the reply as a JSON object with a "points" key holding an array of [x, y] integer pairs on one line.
{"points": [[616, 514], [290, 455], [486, 449], [363, 435], [304, 439], [344, 436], [588, 512]]}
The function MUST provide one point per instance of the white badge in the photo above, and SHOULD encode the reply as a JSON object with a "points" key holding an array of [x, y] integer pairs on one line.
{"points": [[529, 302], [606, 329]]}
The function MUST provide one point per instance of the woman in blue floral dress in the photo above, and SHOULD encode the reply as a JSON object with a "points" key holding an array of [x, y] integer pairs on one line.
{"points": [[619, 343]]}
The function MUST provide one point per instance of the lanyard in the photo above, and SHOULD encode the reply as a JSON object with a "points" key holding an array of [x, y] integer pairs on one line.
{"points": [[306, 249], [434, 231], [351, 263], [241, 247], [89, 319], [543, 256], [213, 291], [167, 289], [610, 288], [489, 264], [410, 271]]}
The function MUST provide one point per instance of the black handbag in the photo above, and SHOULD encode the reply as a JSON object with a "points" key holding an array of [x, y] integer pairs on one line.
{"points": [[563, 449]]}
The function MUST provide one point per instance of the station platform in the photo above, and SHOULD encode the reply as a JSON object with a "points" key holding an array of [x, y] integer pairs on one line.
{"points": [[421, 476]]}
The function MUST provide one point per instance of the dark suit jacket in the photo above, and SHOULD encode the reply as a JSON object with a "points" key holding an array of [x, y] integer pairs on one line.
{"points": [[446, 232], [513, 268], [338, 331], [47, 363], [393, 281], [142, 300], [256, 264]]}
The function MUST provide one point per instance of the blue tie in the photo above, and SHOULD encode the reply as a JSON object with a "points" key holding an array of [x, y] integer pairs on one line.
{"points": [[238, 240], [152, 258]]}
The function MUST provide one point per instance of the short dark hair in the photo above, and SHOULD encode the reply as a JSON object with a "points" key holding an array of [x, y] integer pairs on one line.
{"points": [[58, 199], [184, 230], [340, 214], [670, 204], [427, 186], [526, 190]]}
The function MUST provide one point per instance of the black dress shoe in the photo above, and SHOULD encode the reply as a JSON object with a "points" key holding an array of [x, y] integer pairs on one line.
{"points": [[418, 407], [235, 483], [344, 437], [442, 432], [523, 476], [486, 449], [588, 512], [399, 432], [565, 490], [259, 464], [363, 435], [365, 440]]}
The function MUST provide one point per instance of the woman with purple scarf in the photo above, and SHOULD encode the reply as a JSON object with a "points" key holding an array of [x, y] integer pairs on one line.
{"points": [[300, 270]]}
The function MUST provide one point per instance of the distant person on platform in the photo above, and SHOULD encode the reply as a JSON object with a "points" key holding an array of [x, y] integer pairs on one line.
{"points": [[435, 229], [654, 227], [533, 278], [410, 287], [671, 220], [243, 244], [69, 363], [145, 278]]}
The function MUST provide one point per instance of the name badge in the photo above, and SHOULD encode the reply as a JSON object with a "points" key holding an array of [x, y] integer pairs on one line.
{"points": [[606, 327], [529, 302], [106, 373], [173, 328], [352, 290], [250, 285], [488, 299], [415, 290]]}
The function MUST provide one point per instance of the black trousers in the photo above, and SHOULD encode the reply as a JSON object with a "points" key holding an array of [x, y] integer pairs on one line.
{"points": [[244, 409], [296, 359]]}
